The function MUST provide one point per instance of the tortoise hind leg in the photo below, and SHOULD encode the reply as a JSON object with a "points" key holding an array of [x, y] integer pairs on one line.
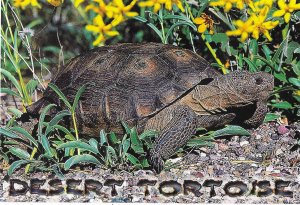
{"points": [[179, 130]]}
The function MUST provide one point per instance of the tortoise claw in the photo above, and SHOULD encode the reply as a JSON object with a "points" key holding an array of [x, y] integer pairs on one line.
{"points": [[156, 161]]}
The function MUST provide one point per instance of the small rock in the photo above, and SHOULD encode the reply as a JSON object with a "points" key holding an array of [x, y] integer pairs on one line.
{"points": [[258, 171], [168, 189], [279, 151], [223, 147], [198, 174], [269, 168], [202, 154], [244, 143], [282, 130], [258, 137], [274, 136]]}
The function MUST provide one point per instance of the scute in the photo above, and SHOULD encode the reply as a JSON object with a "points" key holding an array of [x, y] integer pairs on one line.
{"points": [[129, 81]]}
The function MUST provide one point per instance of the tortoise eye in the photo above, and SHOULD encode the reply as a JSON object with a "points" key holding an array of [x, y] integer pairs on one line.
{"points": [[258, 81]]}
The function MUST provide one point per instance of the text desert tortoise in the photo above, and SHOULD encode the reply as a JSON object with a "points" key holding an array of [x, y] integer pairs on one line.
{"points": [[161, 87]]}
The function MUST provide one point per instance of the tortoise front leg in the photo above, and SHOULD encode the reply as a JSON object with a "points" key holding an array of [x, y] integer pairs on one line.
{"points": [[258, 116], [179, 130], [173, 136]]}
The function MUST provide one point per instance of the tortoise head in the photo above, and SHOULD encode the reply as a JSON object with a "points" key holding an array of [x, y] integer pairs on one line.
{"points": [[251, 87]]}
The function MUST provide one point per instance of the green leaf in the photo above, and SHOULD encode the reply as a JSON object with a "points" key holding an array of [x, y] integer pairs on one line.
{"points": [[295, 81], [132, 159], [9, 134], [60, 94], [136, 144], [64, 130], [276, 57], [103, 139], [113, 138], [9, 92], [231, 130], [15, 111], [180, 23], [283, 105], [280, 76], [42, 118], [31, 86], [254, 46], [15, 165], [77, 97], [148, 134], [13, 80], [22, 154], [198, 143], [111, 154], [145, 163], [267, 52], [220, 38], [268, 62], [252, 66], [93, 143], [271, 117], [292, 46], [59, 116], [141, 19], [46, 145], [127, 129], [84, 158], [25, 134], [125, 145], [79, 144]]}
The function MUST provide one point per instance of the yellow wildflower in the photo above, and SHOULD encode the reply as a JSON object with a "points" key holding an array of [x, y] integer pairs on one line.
{"points": [[55, 3], [244, 29], [240, 4], [286, 9], [297, 92], [263, 3], [260, 26], [101, 9], [120, 10], [24, 3], [178, 3], [227, 4], [78, 2], [205, 22], [156, 4], [103, 30]]}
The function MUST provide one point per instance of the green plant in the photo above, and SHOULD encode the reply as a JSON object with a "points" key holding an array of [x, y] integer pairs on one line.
{"points": [[15, 40]]}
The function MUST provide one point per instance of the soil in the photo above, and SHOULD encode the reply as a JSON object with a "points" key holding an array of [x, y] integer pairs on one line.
{"points": [[248, 166]]}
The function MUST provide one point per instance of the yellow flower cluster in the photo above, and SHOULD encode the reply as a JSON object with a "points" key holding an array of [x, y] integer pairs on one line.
{"points": [[257, 23], [114, 12], [24, 3], [158, 4]]}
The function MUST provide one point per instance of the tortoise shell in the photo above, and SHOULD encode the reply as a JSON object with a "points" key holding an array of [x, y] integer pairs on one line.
{"points": [[128, 82]]}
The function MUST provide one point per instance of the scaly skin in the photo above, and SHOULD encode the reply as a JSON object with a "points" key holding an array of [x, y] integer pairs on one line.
{"points": [[205, 107]]}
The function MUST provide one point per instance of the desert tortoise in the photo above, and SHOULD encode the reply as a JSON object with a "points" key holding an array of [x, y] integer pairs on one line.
{"points": [[161, 87]]}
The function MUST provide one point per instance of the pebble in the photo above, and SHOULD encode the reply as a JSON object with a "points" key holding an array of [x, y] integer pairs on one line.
{"points": [[282, 130], [258, 137], [258, 171], [244, 143], [274, 136], [279, 151], [223, 147], [269, 168], [202, 154]]}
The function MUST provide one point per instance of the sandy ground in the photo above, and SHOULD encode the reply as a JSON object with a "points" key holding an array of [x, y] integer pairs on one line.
{"points": [[261, 168]]}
